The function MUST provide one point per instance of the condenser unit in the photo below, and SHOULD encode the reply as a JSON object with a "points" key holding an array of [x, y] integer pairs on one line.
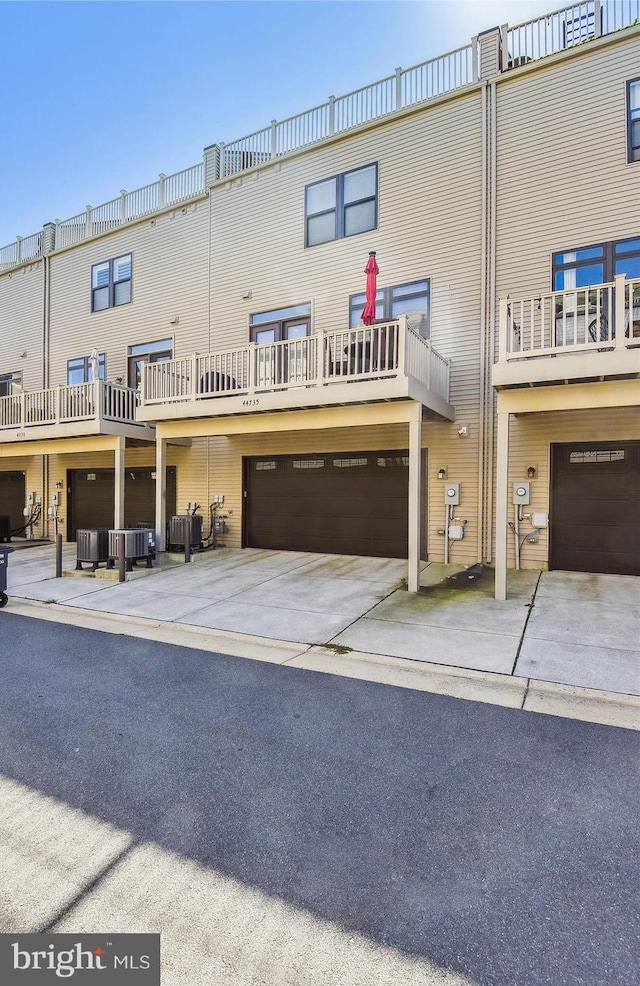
{"points": [[138, 545], [92, 546], [178, 527], [5, 528]]}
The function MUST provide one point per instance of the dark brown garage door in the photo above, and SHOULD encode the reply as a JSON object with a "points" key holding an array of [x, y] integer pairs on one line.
{"points": [[595, 507], [13, 497], [91, 497], [351, 503]]}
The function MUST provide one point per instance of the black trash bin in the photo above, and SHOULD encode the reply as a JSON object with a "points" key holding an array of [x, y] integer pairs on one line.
{"points": [[5, 551]]}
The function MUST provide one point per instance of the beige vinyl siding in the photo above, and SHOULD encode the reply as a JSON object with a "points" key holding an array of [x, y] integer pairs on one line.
{"points": [[562, 183], [170, 278], [531, 436], [562, 176], [32, 466], [21, 322], [429, 225]]}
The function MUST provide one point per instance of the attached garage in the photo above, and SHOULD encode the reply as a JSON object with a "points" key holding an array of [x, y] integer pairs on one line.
{"points": [[13, 497], [352, 503], [91, 499], [595, 507]]}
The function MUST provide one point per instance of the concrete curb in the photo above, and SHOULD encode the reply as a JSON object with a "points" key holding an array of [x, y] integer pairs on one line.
{"points": [[510, 691]]}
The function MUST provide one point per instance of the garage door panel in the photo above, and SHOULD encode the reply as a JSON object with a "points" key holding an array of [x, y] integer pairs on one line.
{"points": [[343, 503], [13, 497], [344, 528], [602, 512], [92, 497], [595, 507], [313, 526], [602, 537]]}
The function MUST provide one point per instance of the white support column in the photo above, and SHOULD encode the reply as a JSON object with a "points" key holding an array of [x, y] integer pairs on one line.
{"points": [[415, 441], [161, 493], [502, 506], [119, 484]]}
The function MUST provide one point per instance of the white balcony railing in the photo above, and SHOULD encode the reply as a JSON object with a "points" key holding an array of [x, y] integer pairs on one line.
{"points": [[67, 404], [598, 317], [376, 352]]}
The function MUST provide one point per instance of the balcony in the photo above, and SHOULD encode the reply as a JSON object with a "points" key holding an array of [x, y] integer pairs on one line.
{"points": [[378, 363], [577, 335], [72, 411]]}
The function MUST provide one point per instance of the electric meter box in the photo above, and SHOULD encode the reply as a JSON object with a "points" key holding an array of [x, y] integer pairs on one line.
{"points": [[452, 493], [521, 492]]}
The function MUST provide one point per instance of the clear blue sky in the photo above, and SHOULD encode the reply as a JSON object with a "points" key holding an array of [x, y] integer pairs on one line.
{"points": [[102, 96]]}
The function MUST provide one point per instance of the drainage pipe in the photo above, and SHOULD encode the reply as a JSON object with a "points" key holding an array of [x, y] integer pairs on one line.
{"points": [[447, 519]]}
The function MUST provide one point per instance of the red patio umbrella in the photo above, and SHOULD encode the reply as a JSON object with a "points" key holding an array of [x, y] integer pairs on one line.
{"points": [[371, 270]]}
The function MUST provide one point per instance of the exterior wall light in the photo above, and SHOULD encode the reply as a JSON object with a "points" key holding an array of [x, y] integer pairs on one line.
{"points": [[442, 473]]}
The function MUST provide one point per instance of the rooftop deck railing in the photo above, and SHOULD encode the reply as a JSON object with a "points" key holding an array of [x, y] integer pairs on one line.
{"points": [[598, 317], [404, 88], [376, 352], [537, 38], [568, 27], [70, 403]]}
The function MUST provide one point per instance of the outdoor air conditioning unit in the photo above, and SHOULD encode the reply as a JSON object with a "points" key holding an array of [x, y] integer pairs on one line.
{"points": [[178, 527], [92, 546], [138, 544], [5, 528], [519, 60]]}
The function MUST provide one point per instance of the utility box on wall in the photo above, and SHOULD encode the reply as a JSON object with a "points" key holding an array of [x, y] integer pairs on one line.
{"points": [[522, 492], [452, 494]]}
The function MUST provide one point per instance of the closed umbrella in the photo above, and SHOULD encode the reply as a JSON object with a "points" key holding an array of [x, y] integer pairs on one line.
{"points": [[94, 363], [372, 271]]}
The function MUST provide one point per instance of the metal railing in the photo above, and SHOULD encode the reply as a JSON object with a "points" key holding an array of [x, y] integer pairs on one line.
{"points": [[69, 403], [377, 352], [596, 317]]}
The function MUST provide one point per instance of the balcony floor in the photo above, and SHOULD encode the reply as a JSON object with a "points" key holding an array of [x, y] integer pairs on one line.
{"points": [[77, 429], [297, 398]]}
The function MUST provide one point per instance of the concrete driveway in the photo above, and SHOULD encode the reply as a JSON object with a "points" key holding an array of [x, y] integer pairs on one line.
{"points": [[571, 628]]}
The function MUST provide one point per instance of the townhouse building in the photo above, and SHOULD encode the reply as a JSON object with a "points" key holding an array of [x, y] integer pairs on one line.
{"points": [[202, 337]]}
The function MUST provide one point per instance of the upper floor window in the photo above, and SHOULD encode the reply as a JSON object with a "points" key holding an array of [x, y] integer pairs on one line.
{"points": [[281, 324], [596, 264], [341, 206], [633, 120], [111, 283], [399, 299], [10, 383], [79, 369], [147, 352]]}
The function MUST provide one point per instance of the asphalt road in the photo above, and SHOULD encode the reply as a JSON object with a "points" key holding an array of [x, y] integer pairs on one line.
{"points": [[502, 845]]}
